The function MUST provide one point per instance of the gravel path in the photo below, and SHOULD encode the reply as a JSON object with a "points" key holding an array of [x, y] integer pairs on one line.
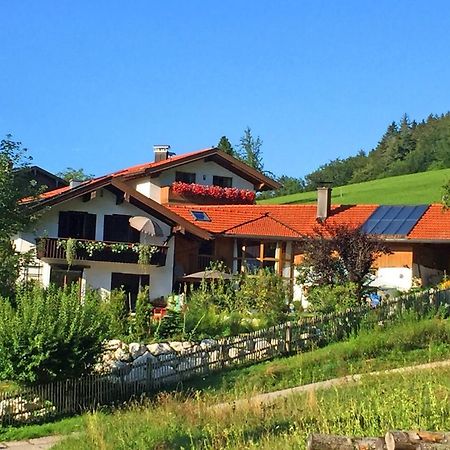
{"points": [[48, 441]]}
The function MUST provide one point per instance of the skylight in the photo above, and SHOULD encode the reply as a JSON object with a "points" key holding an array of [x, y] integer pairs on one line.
{"points": [[200, 216]]}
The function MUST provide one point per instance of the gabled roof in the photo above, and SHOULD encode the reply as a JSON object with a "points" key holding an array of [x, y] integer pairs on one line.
{"points": [[434, 225], [261, 181], [283, 221], [121, 189]]}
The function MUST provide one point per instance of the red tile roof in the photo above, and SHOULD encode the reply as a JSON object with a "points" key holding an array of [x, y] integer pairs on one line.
{"points": [[434, 225], [288, 221], [141, 168]]}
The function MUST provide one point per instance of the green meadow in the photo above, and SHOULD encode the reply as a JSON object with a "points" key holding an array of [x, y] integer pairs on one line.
{"points": [[417, 188], [184, 419]]}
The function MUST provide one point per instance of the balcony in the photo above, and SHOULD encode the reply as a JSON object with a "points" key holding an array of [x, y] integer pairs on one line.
{"points": [[86, 250], [205, 195]]}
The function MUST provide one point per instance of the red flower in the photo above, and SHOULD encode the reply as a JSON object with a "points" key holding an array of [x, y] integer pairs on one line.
{"points": [[232, 195]]}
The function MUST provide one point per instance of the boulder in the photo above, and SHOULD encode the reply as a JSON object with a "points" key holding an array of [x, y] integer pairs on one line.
{"points": [[137, 349], [118, 366], [144, 359], [176, 346], [187, 345], [207, 343], [122, 355], [159, 348], [113, 344]]}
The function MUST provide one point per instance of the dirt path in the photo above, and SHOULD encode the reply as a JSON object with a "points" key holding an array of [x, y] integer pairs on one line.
{"points": [[49, 441], [349, 379]]}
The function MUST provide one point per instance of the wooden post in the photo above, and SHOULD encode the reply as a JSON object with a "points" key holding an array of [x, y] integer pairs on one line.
{"points": [[288, 338], [330, 442]]}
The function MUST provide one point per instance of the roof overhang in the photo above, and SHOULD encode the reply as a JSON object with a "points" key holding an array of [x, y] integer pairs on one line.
{"points": [[123, 193], [259, 180]]}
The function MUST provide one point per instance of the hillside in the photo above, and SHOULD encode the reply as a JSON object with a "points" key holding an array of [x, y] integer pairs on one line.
{"points": [[417, 188]]}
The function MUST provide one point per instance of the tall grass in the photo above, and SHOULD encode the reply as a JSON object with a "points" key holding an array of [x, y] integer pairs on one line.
{"points": [[418, 401], [406, 343]]}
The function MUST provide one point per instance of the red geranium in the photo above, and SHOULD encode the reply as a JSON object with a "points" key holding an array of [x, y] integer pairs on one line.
{"points": [[232, 195]]}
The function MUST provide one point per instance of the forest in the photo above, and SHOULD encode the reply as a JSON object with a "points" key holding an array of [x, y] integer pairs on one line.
{"points": [[406, 147]]}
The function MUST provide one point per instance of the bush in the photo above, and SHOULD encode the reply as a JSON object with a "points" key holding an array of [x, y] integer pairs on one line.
{"points": [[143, 316], [264, 292], [50, 334], [333, 298], [116, 311]]}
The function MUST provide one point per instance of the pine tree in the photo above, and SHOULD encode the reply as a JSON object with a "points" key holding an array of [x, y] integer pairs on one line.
{"points": [[225, 145], [250, 150]]}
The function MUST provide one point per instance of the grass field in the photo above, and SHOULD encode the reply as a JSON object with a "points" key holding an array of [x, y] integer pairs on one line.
{"points": [[404, 344], [418, 188], [378, 404]]}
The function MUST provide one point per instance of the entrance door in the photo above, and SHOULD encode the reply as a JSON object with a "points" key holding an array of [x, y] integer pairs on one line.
{"points": [[130, 283]]}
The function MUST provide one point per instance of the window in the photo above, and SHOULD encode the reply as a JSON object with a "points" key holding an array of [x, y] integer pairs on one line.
{"points": [[185, 177], [200, 216], [75, 224], [225, 182], [116, 228], [63, 276], [131, 284], [255, 254]]}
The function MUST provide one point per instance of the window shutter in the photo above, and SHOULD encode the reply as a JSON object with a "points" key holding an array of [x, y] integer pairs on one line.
{"points": [[89, 226], [63, 224]]}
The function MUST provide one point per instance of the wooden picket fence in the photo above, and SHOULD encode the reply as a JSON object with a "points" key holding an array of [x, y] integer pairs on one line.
{"points": [[56, 399]]}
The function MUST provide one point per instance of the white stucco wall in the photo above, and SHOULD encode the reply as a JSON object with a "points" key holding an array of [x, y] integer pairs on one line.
{"points": [[393, 278], [204, 171], [98, 275]]}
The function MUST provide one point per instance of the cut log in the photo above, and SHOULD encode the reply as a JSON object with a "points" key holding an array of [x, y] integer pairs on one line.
{"points": [[412, 440], [329, 442]]}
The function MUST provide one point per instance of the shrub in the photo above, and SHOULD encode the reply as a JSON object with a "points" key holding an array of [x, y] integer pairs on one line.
{"points": [[143, 316], [264, 292], [170, 326], [116, 310], [333, 298], [50, 334]]}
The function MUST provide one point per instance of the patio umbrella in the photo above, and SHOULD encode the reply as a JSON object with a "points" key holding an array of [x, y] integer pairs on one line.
{"points": [[151, 232], [208, 275]]}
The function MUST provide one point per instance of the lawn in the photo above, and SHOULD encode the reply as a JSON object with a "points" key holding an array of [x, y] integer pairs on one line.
{"points": [[379, 404], [404, 344], [418, 188]]}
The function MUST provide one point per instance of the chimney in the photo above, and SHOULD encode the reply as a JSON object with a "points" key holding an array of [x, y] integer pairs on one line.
{"points": [[74, 183], [161, 152], [323, 201]]}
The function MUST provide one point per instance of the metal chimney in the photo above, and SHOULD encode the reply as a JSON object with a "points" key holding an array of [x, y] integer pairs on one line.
{"points": [[323, 202], [161, 152]]}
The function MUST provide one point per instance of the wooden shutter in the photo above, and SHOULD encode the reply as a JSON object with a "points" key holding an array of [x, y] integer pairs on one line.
{"points": [[63, 224]]}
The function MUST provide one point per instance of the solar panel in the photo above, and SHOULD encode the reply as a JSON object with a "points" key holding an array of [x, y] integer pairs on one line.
{"points": [[394, 219], [200, 216]]}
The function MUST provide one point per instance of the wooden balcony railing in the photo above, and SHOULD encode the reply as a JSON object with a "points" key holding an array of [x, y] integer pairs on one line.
{"points": [[86, 250]]}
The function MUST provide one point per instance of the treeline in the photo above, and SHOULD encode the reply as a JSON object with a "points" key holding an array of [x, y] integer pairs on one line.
{"points": [[406, 147]]}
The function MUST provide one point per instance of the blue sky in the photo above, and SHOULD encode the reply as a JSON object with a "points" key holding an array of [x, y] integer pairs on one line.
{"points": [[95, 84]]}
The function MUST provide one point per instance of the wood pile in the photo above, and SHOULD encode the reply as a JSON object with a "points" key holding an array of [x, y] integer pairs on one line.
{"points": [[393, 440]]}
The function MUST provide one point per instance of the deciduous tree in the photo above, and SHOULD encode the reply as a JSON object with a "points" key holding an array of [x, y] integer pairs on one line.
{"points": [[339, 254], [70, 174], [14, 216]]}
